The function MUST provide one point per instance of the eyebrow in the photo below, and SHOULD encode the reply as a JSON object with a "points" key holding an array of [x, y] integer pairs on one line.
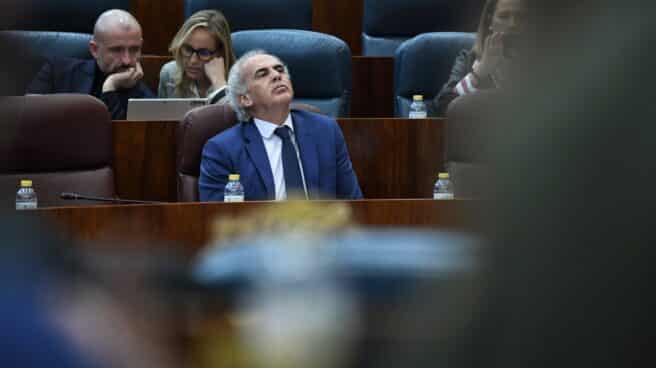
{"points": [[275, 66]]}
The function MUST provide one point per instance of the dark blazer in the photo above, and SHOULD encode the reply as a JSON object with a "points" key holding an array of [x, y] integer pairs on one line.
{"points": [[68, 75], [240, 150]]}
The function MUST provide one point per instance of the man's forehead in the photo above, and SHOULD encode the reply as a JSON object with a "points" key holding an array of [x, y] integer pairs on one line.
{"points": [[261, 61], [121, 36]]}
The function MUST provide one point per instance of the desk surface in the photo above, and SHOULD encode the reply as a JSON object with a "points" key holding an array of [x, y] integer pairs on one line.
{"points": [[187, 226]]}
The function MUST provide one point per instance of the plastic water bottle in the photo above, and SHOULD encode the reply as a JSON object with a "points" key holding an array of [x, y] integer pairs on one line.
{"points": [[443, 188], [234, 191], [26, 196], [418, 108]]}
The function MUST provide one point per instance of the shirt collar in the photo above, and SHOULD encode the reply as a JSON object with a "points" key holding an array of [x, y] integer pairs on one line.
{"points": [[267, 128]]}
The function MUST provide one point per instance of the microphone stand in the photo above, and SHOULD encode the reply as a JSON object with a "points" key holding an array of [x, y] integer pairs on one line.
{"points": [[76, 196]]}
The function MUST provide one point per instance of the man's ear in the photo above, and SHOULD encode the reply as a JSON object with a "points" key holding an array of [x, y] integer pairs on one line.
{"points": [[93, 48], [245, 101]]}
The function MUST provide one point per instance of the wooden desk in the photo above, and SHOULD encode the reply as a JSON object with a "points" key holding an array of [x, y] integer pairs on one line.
{"points": [[393, 158], [187, 225]]}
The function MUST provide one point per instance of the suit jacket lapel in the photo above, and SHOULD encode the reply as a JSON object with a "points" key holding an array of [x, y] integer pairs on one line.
{"points": [[258, 156], [83, 80], [307, 144]]}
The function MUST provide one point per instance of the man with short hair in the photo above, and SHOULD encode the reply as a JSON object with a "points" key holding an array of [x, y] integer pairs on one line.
{"points": [[279, 152], [114, 75]]}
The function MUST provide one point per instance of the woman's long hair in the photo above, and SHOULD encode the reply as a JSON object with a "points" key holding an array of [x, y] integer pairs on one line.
{"points": [[484, 27]]}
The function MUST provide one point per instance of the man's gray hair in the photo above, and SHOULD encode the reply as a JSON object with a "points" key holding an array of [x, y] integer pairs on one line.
{"points": [[237, 83]]}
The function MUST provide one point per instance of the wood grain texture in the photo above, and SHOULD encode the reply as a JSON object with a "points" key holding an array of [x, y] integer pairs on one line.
{"points": [[341, 18], [144, 160], [151, 66], [187, 226], [393, 158], [160, 20], [373, 87]]}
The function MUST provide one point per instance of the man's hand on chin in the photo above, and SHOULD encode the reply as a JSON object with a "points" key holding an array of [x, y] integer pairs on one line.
{"points": [[123, 80]]}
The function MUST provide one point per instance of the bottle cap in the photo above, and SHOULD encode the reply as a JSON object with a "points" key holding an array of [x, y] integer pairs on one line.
{"points": [[417, 98], [26, 183], [233, 177], [443, 175]]}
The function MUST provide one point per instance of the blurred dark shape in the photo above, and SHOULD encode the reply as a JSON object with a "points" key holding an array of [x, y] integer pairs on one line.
{"points": [[63, 143], [572, 224], [72, 305], [470, 133], [25, 52], [30, 263]]}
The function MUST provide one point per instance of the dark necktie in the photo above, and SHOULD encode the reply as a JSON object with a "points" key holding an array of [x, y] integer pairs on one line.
{"points": [[293, 180]]}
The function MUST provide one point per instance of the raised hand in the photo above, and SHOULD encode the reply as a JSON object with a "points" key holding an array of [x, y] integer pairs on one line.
{"points": [[124, 80], [215, 71]]}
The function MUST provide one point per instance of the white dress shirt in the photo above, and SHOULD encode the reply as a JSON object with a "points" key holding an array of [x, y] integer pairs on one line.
{"points": [[273, 147]]}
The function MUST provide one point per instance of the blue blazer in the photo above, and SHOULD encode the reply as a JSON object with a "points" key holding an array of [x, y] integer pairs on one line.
{"points": [[240, 150]]}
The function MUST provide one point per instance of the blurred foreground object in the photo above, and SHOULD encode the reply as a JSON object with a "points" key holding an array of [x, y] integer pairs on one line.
{"points": [[300, 294]]}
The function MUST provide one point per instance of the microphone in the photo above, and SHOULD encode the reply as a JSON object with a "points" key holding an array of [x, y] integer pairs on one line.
{"points": [[76, 196]]}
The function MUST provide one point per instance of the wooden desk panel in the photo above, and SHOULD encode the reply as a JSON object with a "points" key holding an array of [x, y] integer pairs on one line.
{"points": [[393, 158], [187, 226], [160, 20], [341, 18], [373, 87], [151, 65]]}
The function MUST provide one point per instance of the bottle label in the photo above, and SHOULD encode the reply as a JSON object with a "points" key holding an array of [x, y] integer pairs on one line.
{"points": [[442, 195], [233, 198], [26, 205], [417, 115]]}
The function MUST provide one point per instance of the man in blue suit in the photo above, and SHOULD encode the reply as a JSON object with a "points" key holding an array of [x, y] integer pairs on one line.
{"points": [[114, 75], [278, 152]]}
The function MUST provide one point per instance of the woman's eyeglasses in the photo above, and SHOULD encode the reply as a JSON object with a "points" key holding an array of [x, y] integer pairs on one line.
{"points": [[203, 54]]}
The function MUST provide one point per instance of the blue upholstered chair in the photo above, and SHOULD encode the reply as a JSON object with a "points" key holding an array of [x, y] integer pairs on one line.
{"points": [[387, 23], [320, 64], [61, 16], [422, 66], [26, 51], [258, 14]]}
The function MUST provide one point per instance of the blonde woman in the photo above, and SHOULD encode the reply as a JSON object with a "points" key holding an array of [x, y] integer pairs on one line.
{"points": [[203, 55]]}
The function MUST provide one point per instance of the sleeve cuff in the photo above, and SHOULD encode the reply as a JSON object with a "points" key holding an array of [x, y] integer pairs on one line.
{"points": [[215, 96]]}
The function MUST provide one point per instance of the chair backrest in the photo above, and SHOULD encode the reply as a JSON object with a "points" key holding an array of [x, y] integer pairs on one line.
{"points": [[67, 16], [422, 65], [258, 14], [387, 23], [192, 133], [320, 64], [62, 142], [25, 53]]}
